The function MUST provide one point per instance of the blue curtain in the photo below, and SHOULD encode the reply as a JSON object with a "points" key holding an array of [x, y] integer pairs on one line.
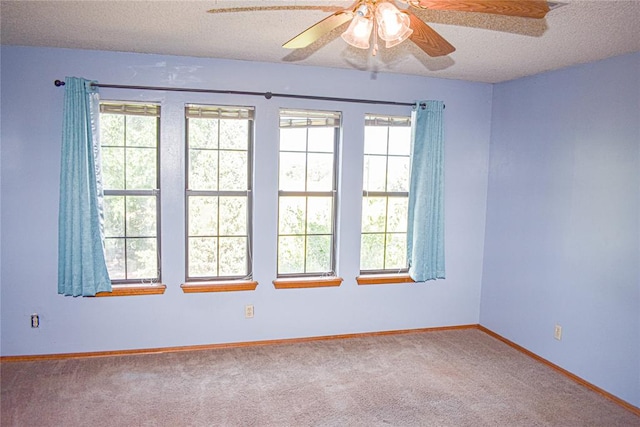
{"points": [[82, 269], [425, 228]]}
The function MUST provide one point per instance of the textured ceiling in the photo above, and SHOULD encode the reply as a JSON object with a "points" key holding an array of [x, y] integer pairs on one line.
{"points": [[489, 48]]}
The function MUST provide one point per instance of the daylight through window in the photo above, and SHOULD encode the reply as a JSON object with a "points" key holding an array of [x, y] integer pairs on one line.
{"points": [[129, 139], [385, 194], [218, 195], [307, 192]]}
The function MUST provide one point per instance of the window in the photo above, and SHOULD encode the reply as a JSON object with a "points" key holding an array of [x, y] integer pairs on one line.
{"points": [[218, 195], [307, 192], [129, 139], [385, 195]]}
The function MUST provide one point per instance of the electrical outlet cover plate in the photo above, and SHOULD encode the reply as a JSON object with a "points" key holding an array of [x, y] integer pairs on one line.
{"points": [[557, 333], [248, 311]]}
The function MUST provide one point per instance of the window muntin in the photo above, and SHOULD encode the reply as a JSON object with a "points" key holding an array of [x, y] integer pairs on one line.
{"points": [[307, 192], [387, 149], [218, 194], [129, 139]]}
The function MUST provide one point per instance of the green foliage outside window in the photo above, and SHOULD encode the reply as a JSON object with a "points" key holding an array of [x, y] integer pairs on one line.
{"points": [[307, 185], [385, 194], [129, 151], [218, 203]]}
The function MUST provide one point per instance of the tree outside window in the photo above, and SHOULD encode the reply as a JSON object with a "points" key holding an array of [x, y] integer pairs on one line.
{"points": [[129, 139], [218, 195], [387, 149], [307, 192]]}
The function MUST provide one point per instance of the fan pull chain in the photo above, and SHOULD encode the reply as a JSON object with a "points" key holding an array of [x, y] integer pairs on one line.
{"points": [[375, 40]]}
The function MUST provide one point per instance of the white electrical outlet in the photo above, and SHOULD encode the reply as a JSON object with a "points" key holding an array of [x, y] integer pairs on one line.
{"points": [[557, 332], [248, 311]]}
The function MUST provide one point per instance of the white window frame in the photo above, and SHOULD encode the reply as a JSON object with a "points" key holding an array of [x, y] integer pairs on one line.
{"points": [[384, 121], [299, 118], [217, 112], [130, 108]]}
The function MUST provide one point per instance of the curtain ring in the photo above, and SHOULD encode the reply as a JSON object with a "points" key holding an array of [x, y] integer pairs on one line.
{"points": [[423, 106]]}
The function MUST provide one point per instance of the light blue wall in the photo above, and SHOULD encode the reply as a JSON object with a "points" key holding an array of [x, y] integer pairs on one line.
{"points": [[562, 236], [562, 231], [31, 129]]}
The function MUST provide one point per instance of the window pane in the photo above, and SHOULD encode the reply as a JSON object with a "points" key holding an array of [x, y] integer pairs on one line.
{"points": [[372, 252], [292, 171], [291, 215], [373, 214], [112, 130], [233, 254], [114, 254], [114, 216], [203, 216], [321, 139], [203, 170], [374, 178], [375, 140], [141, 168], [318, 254], [293, 139], [203, 257], [233, 134], [203, 133], [130, 163], [142, 259], [233, 216], [141, 131], [113, 168], [319, 215], [307, 188], [219, 169], [290, 254], [398, 174], [400, 140], [396, 251], [320, 172], [233, 170], [141, 218], [397, 214], [386, 173]]}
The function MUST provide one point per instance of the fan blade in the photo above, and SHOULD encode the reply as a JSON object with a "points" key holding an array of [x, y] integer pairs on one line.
{"points": [[319, 29], [523, 8], [326, 8], [427, 38]]}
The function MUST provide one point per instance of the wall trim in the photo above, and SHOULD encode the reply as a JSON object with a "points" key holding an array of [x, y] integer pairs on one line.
{"points": [[59, 356], [577, 379], [563, 371]]}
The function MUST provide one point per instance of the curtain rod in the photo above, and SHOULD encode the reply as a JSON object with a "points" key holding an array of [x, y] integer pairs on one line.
{"points": [[267, 95]]}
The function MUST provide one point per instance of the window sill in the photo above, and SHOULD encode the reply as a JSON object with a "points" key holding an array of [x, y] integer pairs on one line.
{"points": [[307, 282], [131, 290], [384, 279], [222, 286]]}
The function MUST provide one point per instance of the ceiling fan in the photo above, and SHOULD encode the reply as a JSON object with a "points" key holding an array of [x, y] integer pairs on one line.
{"points": [[381, 18]]}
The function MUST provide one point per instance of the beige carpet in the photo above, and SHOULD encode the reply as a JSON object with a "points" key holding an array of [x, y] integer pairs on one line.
{"points": [[445, 378]]}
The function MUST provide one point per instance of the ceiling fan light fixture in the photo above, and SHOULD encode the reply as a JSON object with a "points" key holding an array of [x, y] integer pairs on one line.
{"points": [[359, 32], [393, 25]]}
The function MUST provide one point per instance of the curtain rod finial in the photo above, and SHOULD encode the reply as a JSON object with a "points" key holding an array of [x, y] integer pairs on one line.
{"points": [[58, 83]]}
